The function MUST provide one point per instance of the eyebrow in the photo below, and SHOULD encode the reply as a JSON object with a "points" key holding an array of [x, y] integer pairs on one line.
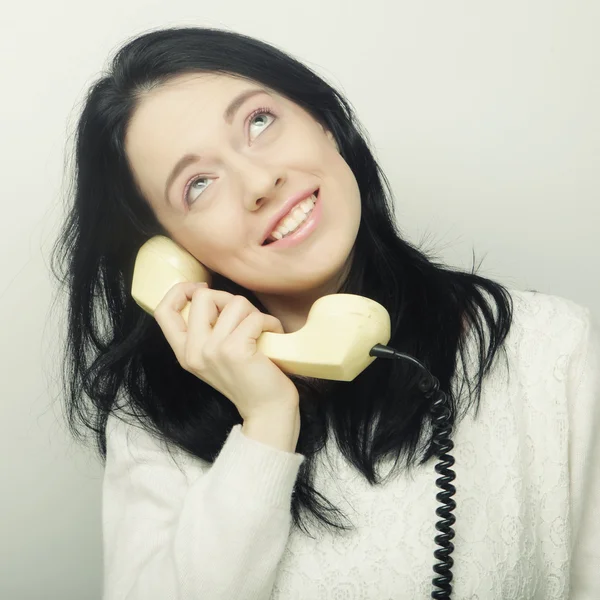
{"points": [[228, 116]]}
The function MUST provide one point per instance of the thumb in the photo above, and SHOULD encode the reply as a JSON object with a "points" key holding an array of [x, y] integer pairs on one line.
{"points": [[272, 324]]}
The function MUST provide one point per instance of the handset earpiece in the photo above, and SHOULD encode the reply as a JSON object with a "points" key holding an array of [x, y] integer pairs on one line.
{"points": [[159, 265], [335, 342]]}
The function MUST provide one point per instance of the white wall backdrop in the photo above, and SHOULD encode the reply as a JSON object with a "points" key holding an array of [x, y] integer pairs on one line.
{"points": [[484, 115]]}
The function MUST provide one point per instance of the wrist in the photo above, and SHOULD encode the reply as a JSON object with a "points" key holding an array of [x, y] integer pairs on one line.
{"points": [[278, 427]]}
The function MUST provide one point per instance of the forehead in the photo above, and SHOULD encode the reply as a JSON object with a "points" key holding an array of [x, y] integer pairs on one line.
{"points": [[184, 103], [205, 93], [171, 114], [208, 86]]}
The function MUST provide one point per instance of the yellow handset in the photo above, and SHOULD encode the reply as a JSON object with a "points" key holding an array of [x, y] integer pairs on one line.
{"points": [[334, 343]]}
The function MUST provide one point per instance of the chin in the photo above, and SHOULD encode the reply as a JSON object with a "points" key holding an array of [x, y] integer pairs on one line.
{"points": [[326, 279], [322, 267]]}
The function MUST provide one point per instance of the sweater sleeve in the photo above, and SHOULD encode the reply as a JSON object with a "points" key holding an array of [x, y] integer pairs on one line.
{"points": [[193, 531], [584, 459]]}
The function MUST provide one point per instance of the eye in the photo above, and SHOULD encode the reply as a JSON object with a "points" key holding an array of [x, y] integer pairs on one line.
{"points": [[192, 186], [261, 112]]}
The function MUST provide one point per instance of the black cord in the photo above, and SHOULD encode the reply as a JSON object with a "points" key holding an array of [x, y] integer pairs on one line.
{"points": [[442, 430]]}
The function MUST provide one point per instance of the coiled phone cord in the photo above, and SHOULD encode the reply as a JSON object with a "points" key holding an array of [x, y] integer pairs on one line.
{"points": [[442, 430]]}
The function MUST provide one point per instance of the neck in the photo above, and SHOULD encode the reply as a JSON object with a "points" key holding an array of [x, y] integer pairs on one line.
{"points": [[292, 309]]}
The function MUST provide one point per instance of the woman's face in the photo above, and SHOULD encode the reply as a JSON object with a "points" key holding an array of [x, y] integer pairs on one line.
{"points": [[249, 158]]}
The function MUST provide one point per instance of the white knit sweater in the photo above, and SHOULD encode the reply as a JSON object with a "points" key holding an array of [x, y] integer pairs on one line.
{"points": [[528, 497]]}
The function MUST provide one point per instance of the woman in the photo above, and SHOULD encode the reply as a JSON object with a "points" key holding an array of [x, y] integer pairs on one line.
{"points": [[229, 479]]}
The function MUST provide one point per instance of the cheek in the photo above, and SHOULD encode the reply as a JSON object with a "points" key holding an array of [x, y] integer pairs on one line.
{"points": [[340, 175], [213, 238], [303, 147], [335, 167]]}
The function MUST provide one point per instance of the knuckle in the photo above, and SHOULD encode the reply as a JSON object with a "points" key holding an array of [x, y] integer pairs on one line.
{"points": [[209, 355], [224, 352], [229, 348], [241, 300], [255, 317], [198, 292], [194, 361]]}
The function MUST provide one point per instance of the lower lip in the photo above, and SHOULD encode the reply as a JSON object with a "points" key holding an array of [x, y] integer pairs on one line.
{"points": [[303, 231]]}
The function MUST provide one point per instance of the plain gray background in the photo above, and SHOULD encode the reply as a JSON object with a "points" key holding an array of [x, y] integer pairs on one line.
{"points": [[484, 116]]}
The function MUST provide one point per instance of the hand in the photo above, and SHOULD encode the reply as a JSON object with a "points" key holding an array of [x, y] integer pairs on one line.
{"points": [[218, 345]]}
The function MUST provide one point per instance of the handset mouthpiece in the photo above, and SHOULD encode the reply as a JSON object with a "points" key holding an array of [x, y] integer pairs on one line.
{"points": [[336, 340]]}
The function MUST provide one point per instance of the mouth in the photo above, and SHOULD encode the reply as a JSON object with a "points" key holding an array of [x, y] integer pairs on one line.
{"points": [[295, 221]]}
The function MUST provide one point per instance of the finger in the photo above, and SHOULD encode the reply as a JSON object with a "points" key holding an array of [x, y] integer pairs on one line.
{"points": [[254, 325], [214, 314], [231, 316], [272, 324], [168, 312], [205, 310], [177, 297]]}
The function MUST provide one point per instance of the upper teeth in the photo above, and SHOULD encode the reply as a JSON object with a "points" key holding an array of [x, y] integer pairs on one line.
{"points": [[294, 218]]}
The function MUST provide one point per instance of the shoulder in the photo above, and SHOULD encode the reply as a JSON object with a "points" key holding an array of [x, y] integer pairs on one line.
{"points": [[553, 360], [129, 441], [547, 387], [123, 431], [537, 311], [545, 347], [546, 327]]}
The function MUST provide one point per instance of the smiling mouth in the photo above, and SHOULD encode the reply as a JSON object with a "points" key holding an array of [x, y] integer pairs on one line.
{"points": [[297, 217]]}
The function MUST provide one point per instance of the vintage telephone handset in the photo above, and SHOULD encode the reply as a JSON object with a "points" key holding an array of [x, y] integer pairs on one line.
{"points": [[343, 335], [334, 343]]}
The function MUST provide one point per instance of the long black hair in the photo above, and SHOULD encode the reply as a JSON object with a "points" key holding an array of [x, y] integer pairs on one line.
{"points": [[117, 359]]}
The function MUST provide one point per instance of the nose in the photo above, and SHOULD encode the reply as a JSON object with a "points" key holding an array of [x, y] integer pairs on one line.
{"points": [[259, 181]]}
